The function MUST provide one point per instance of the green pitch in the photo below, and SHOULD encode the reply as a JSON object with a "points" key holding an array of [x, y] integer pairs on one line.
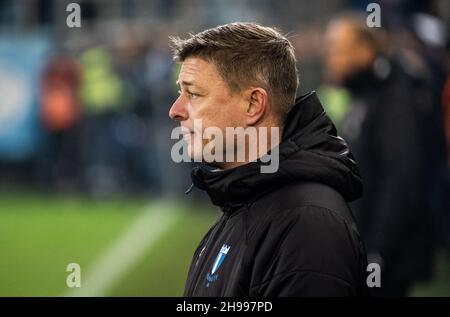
{"points": [[40, 234]]}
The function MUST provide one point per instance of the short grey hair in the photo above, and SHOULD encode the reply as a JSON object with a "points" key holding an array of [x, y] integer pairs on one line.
{"points": [[246, 55]]}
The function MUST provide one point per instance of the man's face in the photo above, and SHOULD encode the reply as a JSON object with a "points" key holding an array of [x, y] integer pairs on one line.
{"points": [[205, 96], [344, 54]]}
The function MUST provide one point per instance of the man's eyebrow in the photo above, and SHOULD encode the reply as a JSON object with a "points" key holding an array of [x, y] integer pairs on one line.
{"points": [[184, 83]]}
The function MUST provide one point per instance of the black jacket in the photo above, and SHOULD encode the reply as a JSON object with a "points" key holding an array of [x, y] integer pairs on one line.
{"points": [[386, 128], [289, 233]]}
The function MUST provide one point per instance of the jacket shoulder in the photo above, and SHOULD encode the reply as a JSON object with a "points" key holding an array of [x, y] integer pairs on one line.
{"points": [[309, 235], [302, 194]]}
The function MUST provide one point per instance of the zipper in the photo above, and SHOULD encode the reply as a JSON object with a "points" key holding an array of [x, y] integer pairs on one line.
{"points": [[199, 269], [188, 191]]}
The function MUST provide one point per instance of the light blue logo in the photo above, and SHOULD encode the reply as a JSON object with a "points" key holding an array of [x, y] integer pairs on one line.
{"points": [[213, 276]]}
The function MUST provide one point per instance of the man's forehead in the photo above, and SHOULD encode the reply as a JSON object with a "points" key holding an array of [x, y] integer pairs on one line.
{"points": [[195, 70]]}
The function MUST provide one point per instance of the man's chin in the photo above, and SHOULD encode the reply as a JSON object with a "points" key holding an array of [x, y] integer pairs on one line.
{"points": [[197, 156]]}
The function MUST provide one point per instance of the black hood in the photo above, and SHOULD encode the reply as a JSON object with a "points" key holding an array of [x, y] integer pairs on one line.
{"points": [[310, 151]]}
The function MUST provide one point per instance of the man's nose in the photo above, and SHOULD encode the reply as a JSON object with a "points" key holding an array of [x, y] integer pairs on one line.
{"points": [[178, 111]]}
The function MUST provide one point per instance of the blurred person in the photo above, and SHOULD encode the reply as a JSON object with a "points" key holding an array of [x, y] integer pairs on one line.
{"points": [[446, 106], [286, 233], [428, 39], [60, 105], [134, 126], [107, 128], [60, 113], [386, 131], [445, 216]]}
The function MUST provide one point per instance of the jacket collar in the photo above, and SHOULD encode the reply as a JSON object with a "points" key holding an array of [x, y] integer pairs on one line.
{"points": [[310, 150]]}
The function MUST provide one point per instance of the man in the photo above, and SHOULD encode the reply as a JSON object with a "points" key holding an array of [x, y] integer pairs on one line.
{"points": [[386, 129], [283, 233]]}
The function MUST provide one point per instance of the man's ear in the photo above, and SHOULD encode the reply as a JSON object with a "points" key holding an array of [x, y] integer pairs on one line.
{"points": [[257, 105]]}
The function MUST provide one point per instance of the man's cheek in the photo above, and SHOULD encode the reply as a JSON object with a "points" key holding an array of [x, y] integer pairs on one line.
{"points": [[196, 144]]}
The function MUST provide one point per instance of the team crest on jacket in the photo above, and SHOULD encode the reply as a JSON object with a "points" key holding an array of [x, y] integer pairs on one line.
{"points": [[213, 275]]}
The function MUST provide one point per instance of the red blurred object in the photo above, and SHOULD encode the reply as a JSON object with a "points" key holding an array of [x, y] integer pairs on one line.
{"points": [[60, 106]]}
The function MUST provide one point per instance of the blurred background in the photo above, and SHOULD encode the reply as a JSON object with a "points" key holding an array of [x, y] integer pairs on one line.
{"points": [[85, 170]]}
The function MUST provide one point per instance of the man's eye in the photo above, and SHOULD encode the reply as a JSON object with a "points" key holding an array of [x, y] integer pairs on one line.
{"points": [[191, 95]]}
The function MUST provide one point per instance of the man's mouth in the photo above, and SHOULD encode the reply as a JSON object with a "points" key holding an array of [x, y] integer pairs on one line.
{"points": [[186, 130], [187, 133]]}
